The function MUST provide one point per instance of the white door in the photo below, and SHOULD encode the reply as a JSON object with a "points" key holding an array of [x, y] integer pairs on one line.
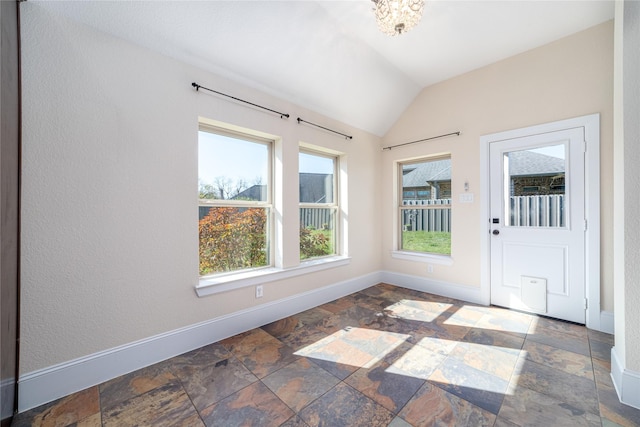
{"points": [[538, 224]]}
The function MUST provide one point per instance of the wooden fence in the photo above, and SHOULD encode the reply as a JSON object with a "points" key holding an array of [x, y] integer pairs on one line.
{"points": [[423, 218], [525, 211], [318, 218], [537, 211]]}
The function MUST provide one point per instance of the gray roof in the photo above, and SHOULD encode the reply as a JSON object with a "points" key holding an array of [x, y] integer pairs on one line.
{"points": [[522, 163], [528, 163], [314, 188], [417, 175]]}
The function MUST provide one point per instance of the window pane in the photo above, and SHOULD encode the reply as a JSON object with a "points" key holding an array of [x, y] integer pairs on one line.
{"points": [[432, 177], [426, 230], [232, 238], [232, 168], [536, 187], [316, 178], [317, 232]]}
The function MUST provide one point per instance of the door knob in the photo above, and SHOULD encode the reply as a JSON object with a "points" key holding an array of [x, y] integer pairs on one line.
{"points": [[495, 232]]}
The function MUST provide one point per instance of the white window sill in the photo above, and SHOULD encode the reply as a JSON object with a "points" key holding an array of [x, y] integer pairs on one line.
{"points": [[419, 257], [233, 281]]}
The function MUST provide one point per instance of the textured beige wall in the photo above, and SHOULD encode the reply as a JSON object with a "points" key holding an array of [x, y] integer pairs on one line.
{"points": [[109, 230], [568, 78], [627, 245], [109, 233]]}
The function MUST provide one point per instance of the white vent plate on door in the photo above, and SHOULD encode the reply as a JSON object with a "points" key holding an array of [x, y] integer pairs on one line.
{"points": [[533, 293]]}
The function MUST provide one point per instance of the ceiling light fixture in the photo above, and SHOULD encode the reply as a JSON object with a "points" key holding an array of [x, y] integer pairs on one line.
{"points": [[395, 17]]}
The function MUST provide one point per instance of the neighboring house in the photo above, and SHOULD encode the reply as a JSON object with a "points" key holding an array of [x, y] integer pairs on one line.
{"points": [[531, 174], [535, 173], [430, 180], [314, 188]]}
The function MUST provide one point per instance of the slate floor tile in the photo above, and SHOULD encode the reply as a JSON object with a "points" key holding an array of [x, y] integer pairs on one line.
{"points": [[390, 388], [494, 338], [246, 342], [543, 323], [254, 405], [209, 384], [414, 360], [343, 406], [572, 389], [510, 323], [71, 409], [134, 384], [612, 410], [478, 387], [433, 406], [494, 360], [600, 350], [567, 361], [267, 358], [300, 382], [167, 405], [529, 408], [561, 340]]}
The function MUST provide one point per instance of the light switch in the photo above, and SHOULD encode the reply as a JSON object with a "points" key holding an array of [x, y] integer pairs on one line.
{"points": [[466, 198]]}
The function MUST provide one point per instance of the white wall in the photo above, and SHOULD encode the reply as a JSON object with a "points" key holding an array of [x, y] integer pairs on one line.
{"points": [[109, 198], [568, 78]]}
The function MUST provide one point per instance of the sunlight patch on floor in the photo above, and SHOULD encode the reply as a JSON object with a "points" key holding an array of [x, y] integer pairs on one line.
{"points": [[354, 346]]}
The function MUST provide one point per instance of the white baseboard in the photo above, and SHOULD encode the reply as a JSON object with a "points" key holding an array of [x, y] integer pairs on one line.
{"points": [[45, 385], [445, 289], [626, 382], [606, 322]]}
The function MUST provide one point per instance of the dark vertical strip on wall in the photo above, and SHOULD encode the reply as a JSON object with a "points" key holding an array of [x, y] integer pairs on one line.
{"points": [[10, 149]]}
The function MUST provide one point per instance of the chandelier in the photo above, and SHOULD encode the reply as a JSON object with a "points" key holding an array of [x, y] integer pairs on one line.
{"points": [[395, 17]]}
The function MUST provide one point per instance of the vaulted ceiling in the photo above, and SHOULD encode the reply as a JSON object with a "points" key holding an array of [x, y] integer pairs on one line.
{"points": [[329, 56]]}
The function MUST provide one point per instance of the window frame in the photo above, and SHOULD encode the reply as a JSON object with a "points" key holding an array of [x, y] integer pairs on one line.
{"points": [[266, 204], [334, 206], [280, 248]]}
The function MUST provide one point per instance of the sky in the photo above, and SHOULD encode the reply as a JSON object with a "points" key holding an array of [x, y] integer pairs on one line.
{"points": [[234, 158], [551, 150]]}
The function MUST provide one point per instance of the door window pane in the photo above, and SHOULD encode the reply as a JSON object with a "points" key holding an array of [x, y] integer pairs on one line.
{"points": [[536, 187]]}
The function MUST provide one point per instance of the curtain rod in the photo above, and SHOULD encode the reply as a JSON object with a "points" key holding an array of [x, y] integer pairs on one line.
{"points": [[322, 127], [421, 140], [198, 87]]}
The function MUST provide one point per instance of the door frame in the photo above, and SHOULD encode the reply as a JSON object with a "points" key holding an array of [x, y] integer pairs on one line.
{"points": [[591, 126]]}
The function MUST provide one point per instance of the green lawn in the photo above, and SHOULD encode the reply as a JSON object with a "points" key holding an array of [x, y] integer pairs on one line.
{"points": [[427, 241]]}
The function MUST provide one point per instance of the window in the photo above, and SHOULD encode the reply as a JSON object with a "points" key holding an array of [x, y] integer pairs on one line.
{"points": [[318, 207], [425, 223], [234, 185]]}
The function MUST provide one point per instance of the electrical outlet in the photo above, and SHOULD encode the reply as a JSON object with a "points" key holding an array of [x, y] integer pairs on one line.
{"points": [[429, 268], [259, 291]]}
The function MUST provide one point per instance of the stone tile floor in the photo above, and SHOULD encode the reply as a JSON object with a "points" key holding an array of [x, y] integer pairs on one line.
{"points": [[385, 356]]}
